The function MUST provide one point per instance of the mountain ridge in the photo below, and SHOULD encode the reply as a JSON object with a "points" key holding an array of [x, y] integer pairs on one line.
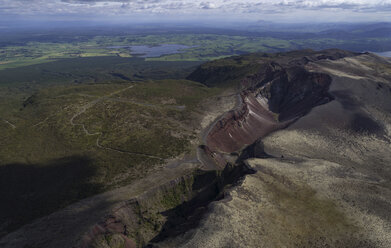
{"points": [[329, 120]]}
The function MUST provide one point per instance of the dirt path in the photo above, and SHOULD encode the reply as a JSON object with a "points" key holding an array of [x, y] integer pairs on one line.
{"points": [[125, 152], [84, 108], [175, 107], [41, 122], [64, 228], [10, 124], [89, 105]]}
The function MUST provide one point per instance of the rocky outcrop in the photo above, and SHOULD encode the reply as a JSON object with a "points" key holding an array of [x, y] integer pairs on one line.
{"points": [[255, 150], [326, 182], [272, 99], [224, 72], [292, 92], [243, 126], [233, 69], [276, 90], [166, 211]]}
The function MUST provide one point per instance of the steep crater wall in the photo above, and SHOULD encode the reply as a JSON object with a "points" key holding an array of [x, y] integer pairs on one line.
{"points": [[274, 93], [167, 211], [272, 99], [292, 92]]}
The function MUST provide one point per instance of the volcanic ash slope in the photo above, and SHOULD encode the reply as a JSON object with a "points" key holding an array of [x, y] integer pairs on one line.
{"points": [[328, 182]]}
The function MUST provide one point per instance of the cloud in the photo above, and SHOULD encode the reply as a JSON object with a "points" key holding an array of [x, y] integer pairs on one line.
{"points": [[189, 7], [337, 4], [233, 5]]}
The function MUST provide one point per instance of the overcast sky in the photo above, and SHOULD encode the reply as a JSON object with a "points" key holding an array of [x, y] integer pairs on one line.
{"points": [[271, 10]]}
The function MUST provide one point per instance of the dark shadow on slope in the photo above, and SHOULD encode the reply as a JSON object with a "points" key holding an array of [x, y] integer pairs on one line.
{"points": [[363, 124], [292, 92], [346, 98], [29, 191], [119, 75], [255, 150], [209, 186]]}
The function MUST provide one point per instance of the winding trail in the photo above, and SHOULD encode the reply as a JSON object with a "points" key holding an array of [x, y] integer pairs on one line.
{"points": [[41, 122], [9, 123], [87, 106]]}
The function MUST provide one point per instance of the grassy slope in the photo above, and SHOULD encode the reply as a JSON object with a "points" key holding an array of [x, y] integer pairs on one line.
{"points": [[202, 47], [93, 70], [48, 163]]}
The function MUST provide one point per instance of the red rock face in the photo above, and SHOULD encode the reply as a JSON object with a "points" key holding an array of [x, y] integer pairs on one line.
{"points": [[111, 225], [275, 97], [216, 157], [243, 126]]}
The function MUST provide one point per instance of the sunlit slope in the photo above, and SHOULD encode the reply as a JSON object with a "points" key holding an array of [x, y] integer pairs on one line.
{"points": [[322, 182]]}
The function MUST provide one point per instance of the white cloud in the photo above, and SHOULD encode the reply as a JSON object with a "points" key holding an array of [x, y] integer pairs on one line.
{"points": [[189, 7], [208, 5]]}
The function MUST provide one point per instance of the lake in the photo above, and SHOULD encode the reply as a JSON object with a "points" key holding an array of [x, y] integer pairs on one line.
{"points": [[385, 54], [153, 51]]}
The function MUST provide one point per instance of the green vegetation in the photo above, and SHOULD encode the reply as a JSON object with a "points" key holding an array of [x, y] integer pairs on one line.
{"points": [[32, 190], [116, 132], [202, 47], [93, 70], [78, 118], [228, 70], [171, 93], [85, 125], [175, 196]]}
